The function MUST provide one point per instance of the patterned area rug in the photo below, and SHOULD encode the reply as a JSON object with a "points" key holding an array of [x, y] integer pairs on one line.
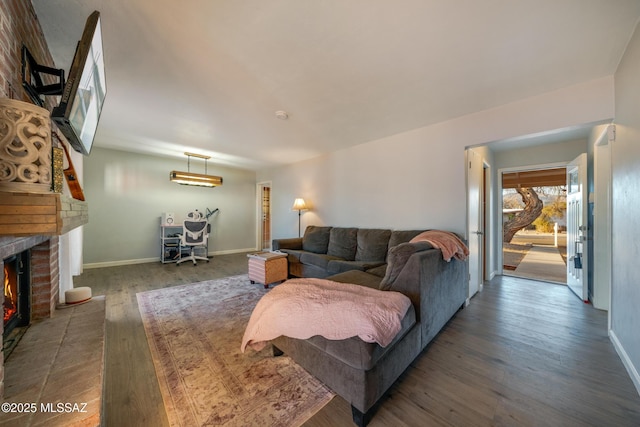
{"points": [[194, 333]]}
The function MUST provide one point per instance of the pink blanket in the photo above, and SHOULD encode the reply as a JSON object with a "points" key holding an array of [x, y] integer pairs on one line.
{"points": [[302, 308], [450, 244]]}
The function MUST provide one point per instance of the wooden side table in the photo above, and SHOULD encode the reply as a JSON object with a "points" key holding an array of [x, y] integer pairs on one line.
{"points": [[268, 267]]}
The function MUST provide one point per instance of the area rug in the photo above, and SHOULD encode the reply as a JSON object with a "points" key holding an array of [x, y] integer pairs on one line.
{"points": [[194, 333]]}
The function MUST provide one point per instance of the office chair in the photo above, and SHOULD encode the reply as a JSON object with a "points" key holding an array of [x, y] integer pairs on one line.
{"points": [[194, 236]]}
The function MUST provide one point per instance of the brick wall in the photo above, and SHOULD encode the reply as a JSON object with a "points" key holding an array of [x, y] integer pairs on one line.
{"points": [[19, 25], [44, 273]]}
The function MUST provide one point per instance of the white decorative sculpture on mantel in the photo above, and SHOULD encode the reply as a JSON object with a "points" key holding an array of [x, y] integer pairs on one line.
{"points": [[25, 147]]}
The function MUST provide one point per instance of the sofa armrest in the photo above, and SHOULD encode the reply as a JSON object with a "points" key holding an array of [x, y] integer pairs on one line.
{"points": [[436, 288], [293, 243]]}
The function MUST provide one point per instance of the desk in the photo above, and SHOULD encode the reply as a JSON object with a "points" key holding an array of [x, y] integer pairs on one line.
{"points": [[170, 243]]}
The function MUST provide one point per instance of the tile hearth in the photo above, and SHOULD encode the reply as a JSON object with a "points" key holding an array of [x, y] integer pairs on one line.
{"points": [[58, 367]]}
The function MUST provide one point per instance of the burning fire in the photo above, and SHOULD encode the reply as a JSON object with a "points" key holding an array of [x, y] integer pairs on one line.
{"points": [[10, 291]]}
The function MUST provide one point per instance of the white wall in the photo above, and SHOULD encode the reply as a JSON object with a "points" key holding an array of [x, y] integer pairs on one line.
{"points": [[625, 162], [601, 155], [372, 186], [417, 178], [128, 192], [560, 152]]}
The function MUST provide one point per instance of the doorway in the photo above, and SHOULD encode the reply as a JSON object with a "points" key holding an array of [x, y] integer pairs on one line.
{"points": [[509, 156], [534, 223], [264, 216]]}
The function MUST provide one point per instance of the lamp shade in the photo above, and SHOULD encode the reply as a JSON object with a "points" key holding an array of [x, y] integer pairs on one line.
{"points": [[299, 205]]}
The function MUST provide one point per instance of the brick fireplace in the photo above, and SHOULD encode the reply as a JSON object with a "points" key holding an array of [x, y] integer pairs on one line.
{"points": [[31, 216], [45, 278], [33, 212]]}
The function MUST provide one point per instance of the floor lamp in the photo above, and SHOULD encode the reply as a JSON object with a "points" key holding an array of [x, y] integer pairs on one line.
{"points": [[299, 205]]}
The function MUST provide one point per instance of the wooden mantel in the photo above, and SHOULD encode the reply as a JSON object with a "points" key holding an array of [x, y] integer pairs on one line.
{"points": [[29, 214]]}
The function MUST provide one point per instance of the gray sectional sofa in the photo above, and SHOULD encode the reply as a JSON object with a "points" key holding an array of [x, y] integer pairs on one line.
{"points": [[358, 371], [326, 251]]}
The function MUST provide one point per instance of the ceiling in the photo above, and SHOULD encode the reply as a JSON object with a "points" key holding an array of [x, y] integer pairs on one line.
{"points": [[208, 76]]}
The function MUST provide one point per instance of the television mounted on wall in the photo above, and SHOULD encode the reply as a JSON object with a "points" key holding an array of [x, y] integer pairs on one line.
{"points": [[79, 110], [83, 93]]}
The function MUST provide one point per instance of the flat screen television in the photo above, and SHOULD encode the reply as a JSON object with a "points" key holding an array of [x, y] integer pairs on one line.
{"points": [[79, 109]]}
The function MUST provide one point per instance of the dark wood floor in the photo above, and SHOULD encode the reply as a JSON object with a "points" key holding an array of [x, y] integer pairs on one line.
{"points": [[523, 353]]}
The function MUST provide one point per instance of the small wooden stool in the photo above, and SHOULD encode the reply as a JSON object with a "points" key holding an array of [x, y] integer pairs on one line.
{"points": [[268, 267]]}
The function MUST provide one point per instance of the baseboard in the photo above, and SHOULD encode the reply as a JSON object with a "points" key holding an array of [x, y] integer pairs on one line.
{"points": [[119, 263], [233, 251], [147, 260], [626, 361]]}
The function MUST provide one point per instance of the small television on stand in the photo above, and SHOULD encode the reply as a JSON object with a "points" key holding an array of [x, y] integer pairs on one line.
{"points": [[82, 95]]}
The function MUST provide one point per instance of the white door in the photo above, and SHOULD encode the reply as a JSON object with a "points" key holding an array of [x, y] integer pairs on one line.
{"points": [[474, 219], [577, 247]]}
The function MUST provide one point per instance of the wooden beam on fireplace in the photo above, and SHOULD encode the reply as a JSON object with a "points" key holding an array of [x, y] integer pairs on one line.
{"points": [[31, 214]]}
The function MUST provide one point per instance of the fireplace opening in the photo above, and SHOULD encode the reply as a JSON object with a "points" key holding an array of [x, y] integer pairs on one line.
{"points": [[17, 299]]}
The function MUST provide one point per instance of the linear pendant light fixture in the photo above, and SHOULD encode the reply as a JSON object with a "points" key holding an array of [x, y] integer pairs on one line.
{"points": [[197, 179]]}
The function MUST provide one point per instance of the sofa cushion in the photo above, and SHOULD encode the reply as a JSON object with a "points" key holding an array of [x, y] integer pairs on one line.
{"points": [[338, 266], [402, 236], [357, 277], [316, 239], [372, 244], [318, 260], [379, 271], [343, 243]]}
